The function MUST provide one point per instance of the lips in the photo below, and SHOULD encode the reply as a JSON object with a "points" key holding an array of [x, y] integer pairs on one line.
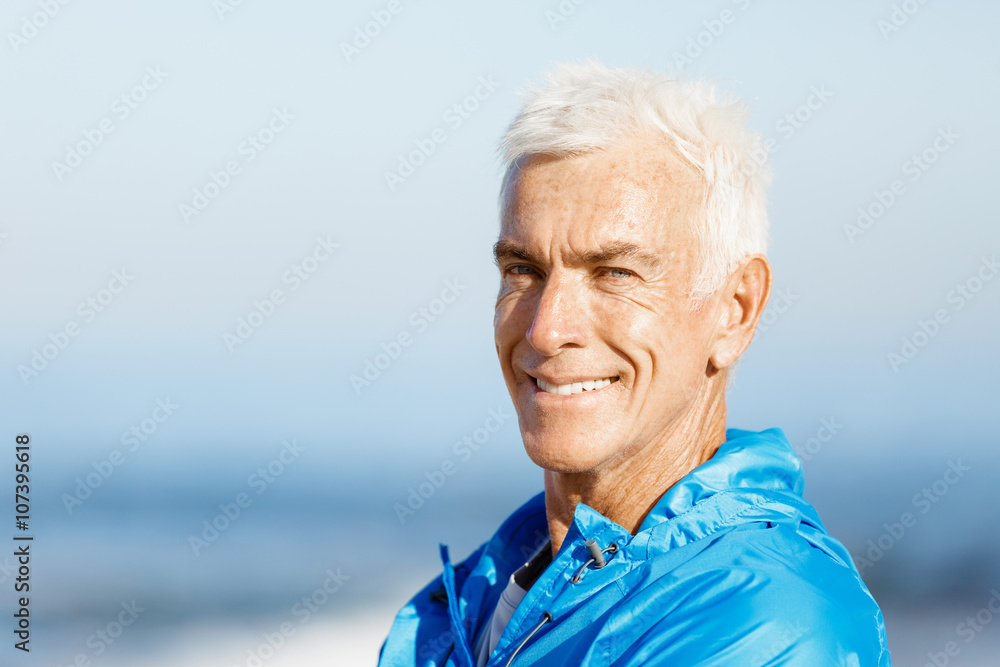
{"points": [[571, 388]]}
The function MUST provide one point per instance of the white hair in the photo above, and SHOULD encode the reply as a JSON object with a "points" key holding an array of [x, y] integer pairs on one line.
{"points": [[586, 107]]}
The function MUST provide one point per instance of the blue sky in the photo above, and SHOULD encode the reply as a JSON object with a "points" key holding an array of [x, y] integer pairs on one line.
{"points": [[120, 120], [218, 82]]}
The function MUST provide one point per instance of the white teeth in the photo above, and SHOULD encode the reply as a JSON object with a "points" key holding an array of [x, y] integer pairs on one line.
{"points": [[573, 387]]}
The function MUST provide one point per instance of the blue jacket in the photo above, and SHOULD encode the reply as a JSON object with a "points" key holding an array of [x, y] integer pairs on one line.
{"points": [[730, 567]]}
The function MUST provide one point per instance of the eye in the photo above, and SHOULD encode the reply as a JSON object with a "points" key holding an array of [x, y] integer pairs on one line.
{"points": [[617, 278], [520, 270]]}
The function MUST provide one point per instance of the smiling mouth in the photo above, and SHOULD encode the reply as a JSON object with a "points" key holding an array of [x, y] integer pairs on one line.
{"points": [[574, 387]]}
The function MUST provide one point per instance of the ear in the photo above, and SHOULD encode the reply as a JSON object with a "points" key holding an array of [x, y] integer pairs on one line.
{"points": [[742, 303]]}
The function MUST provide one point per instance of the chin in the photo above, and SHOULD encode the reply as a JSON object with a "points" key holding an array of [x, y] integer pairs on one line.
{"points": [[562, 454]]}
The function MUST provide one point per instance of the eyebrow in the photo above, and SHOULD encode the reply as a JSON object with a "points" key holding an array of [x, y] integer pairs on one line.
{"points": [[506, 249]]}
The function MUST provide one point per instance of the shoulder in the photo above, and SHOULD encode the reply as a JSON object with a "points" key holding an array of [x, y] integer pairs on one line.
{"points": [[760, 594]]}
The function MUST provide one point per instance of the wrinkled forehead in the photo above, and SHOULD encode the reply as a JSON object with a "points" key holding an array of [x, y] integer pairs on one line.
{"points": [[634, 191]]}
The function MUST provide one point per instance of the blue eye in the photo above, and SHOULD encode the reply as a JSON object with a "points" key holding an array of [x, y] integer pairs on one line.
{"points": [[517, 270], [621, 273]]}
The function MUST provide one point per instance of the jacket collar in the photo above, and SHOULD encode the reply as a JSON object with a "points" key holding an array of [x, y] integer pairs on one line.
{"points": [[750, 470], [753, 475], [746, 460]]}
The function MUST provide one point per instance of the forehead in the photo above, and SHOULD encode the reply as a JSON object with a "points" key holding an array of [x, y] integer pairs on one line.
{"points": [[633, 192]]}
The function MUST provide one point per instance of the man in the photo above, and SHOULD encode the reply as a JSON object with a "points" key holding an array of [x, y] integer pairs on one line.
{"points": [[632, 277]]}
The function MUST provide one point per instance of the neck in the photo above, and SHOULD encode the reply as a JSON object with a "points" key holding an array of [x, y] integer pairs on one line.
{"points": [[626, 490]]}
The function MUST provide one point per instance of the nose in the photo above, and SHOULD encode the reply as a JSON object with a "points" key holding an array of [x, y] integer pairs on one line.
{"points": [[560, 315]]}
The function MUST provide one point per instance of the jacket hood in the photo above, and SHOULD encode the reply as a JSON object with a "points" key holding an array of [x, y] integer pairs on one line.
{"points": [[771, 555], [752, 477], [746, 460]]}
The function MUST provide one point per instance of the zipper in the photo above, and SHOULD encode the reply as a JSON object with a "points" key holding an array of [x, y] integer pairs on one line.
{"points": [[546, 617], [597, 560]]}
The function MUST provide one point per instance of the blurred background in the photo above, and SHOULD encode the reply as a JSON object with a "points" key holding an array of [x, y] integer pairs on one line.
{"points": [[246, 292]]}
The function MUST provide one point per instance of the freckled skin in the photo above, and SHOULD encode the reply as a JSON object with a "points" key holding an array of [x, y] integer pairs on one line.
{"points": [[570, 308]]}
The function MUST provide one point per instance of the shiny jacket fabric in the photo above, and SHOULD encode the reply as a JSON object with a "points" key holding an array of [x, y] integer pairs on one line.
{"points": [[731, 567]]}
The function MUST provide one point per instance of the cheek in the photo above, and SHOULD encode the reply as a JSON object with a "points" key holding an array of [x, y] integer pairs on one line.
{"points": [[511, 319], [629, 327], [681, 361], [498, 319], [507, 331], [665, 350]]}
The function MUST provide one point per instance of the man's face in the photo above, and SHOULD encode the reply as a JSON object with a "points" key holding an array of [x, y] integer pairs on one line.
{"points": [[600, 348]]}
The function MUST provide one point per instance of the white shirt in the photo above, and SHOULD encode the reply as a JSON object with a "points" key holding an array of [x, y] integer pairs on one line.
{"points": [[488, 638], [511, 596]]}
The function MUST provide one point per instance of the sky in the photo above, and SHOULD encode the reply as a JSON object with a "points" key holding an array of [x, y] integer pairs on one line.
{"points": [[346, 118], [214, 207]]}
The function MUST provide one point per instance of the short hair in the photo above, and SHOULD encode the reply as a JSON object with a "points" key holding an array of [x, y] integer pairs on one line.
{"points": [[585, 107]]}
